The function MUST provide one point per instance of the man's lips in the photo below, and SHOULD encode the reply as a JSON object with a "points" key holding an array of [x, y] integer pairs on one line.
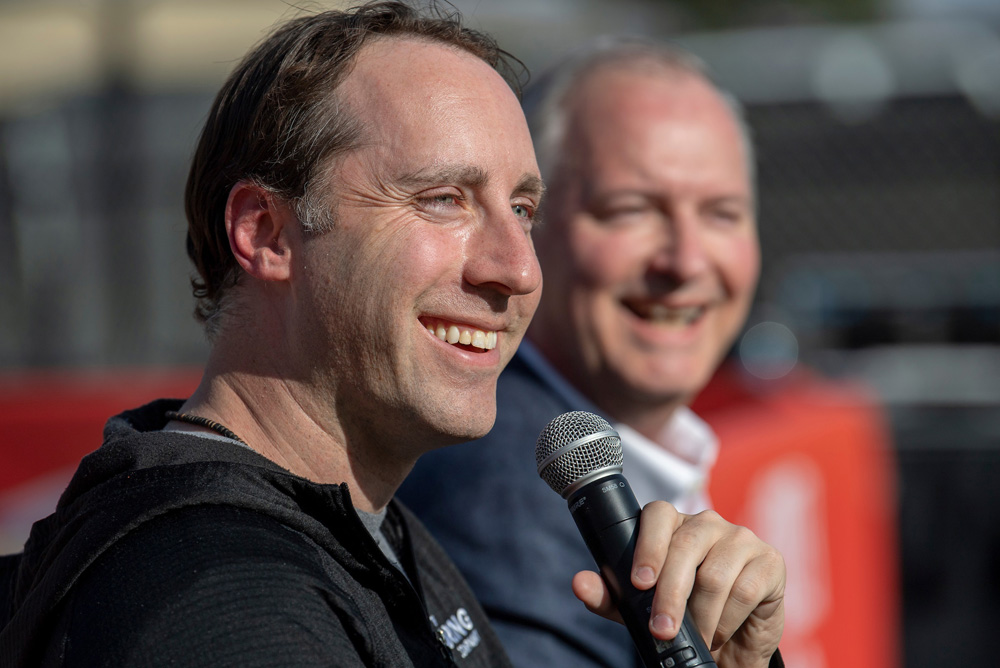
{"points": [[460, 334], [659, 313]]}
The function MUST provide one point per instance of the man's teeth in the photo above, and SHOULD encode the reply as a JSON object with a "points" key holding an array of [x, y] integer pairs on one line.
{"points": [[674, 316], [469, 337]]}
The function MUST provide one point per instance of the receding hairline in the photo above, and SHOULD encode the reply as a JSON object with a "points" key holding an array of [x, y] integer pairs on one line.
{"points": [[551, 103], [652, 63], [529, 184], [677, 84], [342, 91], [349, 107]]}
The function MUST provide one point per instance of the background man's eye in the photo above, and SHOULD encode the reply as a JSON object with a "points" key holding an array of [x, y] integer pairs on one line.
{"points": [[727, 215]]}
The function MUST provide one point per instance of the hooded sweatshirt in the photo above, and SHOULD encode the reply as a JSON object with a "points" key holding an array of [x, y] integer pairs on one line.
{"points": [[168, 548]]}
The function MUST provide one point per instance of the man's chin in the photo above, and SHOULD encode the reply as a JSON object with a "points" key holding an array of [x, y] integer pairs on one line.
{"points": [[655, 394], [458, 430]]}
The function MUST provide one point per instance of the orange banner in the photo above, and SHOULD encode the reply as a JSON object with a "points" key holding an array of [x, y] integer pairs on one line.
{"points": [[808, 465]]}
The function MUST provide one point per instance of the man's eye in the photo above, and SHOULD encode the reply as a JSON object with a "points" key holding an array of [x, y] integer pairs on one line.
{"points": [[443, 199], [625, 215], [522, 211], [727, 215], [623, 211]]}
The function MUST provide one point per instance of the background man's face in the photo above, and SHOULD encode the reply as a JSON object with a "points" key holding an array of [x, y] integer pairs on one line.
{"points": [[433, 216], [650, 254]]}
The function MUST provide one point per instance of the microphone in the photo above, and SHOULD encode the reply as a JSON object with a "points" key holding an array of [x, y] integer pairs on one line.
{"points": [[579, 455]]}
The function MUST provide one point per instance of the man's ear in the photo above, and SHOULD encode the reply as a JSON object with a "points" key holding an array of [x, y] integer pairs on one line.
{"points": [[261, 229]]}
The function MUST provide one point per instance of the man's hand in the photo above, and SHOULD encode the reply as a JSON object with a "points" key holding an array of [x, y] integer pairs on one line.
{"points": [[733, 583]]}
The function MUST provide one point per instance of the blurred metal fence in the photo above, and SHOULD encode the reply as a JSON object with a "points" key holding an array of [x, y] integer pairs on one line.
{"points": [[882, 253], [92, 262], [901, 212]]}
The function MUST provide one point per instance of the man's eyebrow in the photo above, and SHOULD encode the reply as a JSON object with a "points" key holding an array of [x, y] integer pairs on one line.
{"points": [[738, 200], [471, 176], [466, 175], [531, 186]]}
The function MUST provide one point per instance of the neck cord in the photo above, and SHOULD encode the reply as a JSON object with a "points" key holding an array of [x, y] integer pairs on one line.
{"points": [[205, 422]]}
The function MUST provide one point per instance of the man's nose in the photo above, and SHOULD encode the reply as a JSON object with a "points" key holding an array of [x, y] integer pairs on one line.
{"points": [[502, 256], [680, 250]]}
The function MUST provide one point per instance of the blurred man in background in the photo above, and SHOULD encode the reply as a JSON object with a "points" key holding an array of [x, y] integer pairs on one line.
{"points": [[650, 255]]}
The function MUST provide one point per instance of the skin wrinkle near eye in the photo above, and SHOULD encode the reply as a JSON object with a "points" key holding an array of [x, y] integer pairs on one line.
{"points": [[472, 177], [621, 207]]}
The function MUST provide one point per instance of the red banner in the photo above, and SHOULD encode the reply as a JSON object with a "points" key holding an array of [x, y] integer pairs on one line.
{"points": [[808, 466]]}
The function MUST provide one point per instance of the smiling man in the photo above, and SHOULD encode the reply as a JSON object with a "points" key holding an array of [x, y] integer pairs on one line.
{"points": [[650, 255], [360, 211]]}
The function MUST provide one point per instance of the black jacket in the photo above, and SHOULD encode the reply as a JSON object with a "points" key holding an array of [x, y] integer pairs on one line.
{"points": [[172, 549]]}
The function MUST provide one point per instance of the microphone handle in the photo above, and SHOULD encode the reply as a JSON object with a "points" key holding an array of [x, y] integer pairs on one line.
{"points": [[607, 515]]}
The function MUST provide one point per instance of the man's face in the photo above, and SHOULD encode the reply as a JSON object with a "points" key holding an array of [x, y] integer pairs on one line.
{"points": [[649, 246], [433, 214]]}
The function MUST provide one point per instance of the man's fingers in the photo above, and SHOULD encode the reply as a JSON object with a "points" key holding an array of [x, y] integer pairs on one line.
{"points": [[728, 580], [589, 588], [691, 542], [721, 573], [755, 595], [651, 547]]}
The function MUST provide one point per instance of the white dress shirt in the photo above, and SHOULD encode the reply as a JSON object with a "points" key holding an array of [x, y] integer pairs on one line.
{"points": [[674, 467]]}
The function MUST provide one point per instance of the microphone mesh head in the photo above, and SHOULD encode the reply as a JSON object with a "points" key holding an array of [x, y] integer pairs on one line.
{"points": [[579, 461]]}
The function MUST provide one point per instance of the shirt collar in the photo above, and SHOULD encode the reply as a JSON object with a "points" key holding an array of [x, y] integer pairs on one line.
{"points": [[673, 467]]}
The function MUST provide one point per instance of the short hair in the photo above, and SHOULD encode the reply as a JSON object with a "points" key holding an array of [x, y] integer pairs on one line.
{"points": [[277, 122], [548, 101]]}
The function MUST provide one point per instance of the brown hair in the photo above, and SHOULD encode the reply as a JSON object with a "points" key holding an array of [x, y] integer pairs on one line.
{"points": [[277, 122]]}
